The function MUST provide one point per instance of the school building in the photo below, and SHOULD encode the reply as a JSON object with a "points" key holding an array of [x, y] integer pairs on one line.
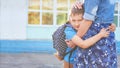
{"points": [[33, 20]]}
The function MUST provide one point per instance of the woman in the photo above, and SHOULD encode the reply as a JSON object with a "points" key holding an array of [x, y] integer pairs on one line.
{"points": [[98, 14]]}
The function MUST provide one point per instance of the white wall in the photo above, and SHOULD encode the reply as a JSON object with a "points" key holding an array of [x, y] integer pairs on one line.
{"points": [[13, 22], [117, 34], [0, 18], [13, 19]]}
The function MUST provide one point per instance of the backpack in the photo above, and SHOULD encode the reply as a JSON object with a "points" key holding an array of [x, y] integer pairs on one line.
{"points": [[59, 43], [59, 40]]}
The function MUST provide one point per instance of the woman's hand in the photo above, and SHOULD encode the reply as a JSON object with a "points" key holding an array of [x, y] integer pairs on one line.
{"points": [[112, 27], [78, 5]]}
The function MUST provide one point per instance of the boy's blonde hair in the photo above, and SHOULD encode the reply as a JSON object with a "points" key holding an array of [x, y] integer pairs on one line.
{"points": [[76, 11]]}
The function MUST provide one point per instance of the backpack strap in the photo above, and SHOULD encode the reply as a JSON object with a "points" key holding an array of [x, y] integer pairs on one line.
{"points": [[70, 51]]}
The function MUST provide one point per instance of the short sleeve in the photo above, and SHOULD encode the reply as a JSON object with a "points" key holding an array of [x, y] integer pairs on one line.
{"points": [[69, 32], [91, 7]]}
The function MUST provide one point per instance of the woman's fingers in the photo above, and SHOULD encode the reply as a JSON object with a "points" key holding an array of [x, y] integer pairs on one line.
{"points": [[78, 5]]}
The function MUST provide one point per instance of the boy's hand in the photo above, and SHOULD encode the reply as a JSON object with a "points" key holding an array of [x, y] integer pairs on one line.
{"points": [[104, 32], [112, 27], [57, 56], [70, 43]]}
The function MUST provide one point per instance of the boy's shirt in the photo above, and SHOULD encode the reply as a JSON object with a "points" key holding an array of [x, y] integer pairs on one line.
{"points": [[70, 32]]}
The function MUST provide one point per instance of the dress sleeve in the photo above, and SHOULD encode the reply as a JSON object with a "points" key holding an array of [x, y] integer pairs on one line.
{"points": [[69, 32], [91, 7]]}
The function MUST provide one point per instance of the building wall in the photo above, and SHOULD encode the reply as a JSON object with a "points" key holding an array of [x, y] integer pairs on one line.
{"points": [[14, 30], [42, 33], [13, 19], [117, 34], [46, 33], [13, 23]]}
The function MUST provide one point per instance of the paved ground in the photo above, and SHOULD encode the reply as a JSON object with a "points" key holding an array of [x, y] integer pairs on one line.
{"points": [[28, 60], [31, 60]]}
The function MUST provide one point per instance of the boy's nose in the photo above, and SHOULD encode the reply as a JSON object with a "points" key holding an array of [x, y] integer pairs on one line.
{"points": [[77, 24]]}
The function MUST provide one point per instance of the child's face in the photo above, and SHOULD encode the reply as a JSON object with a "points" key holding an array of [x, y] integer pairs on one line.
{"points": [[75, 20]]}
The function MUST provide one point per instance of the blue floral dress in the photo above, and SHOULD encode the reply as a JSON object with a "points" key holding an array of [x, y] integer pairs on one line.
{"points": [[100, 55]]}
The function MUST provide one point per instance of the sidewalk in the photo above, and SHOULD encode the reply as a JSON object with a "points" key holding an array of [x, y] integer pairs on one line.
{"points": [[31, 60]]}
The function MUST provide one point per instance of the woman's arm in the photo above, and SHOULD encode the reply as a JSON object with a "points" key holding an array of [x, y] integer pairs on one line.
{"points": [[90, 41], [90, 7]]}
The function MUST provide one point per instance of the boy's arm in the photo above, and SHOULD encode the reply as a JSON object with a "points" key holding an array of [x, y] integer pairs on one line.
{"points": [[112, 28], [90, 41]]}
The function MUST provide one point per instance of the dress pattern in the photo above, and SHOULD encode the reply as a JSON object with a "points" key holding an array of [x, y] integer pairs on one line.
{"points": [[101, 55]]}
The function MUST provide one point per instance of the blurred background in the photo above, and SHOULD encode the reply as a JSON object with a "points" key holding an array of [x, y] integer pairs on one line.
{"points": [[26, 26]]}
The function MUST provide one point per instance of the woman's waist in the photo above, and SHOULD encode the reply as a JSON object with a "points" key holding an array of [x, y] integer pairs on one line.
{"points": [[95, 29], [104, 19], [99, 26]]}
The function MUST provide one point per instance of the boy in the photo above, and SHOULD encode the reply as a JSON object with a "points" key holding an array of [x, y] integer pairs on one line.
{"points": [[74, 22]]}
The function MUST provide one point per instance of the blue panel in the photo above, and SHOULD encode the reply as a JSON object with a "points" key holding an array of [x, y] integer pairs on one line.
{"points": [[21, 46], [118, 47], [26, 46]]}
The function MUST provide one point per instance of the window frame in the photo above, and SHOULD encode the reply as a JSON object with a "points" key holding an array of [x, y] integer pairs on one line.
{"points": [[118, 13]]}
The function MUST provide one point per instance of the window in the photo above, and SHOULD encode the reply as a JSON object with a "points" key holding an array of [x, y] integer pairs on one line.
{"points": [[34, 18], [117, 14], [55, 12], [34, 4], [61, 18], [47, 18], [34, 14], [48, 12]]}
